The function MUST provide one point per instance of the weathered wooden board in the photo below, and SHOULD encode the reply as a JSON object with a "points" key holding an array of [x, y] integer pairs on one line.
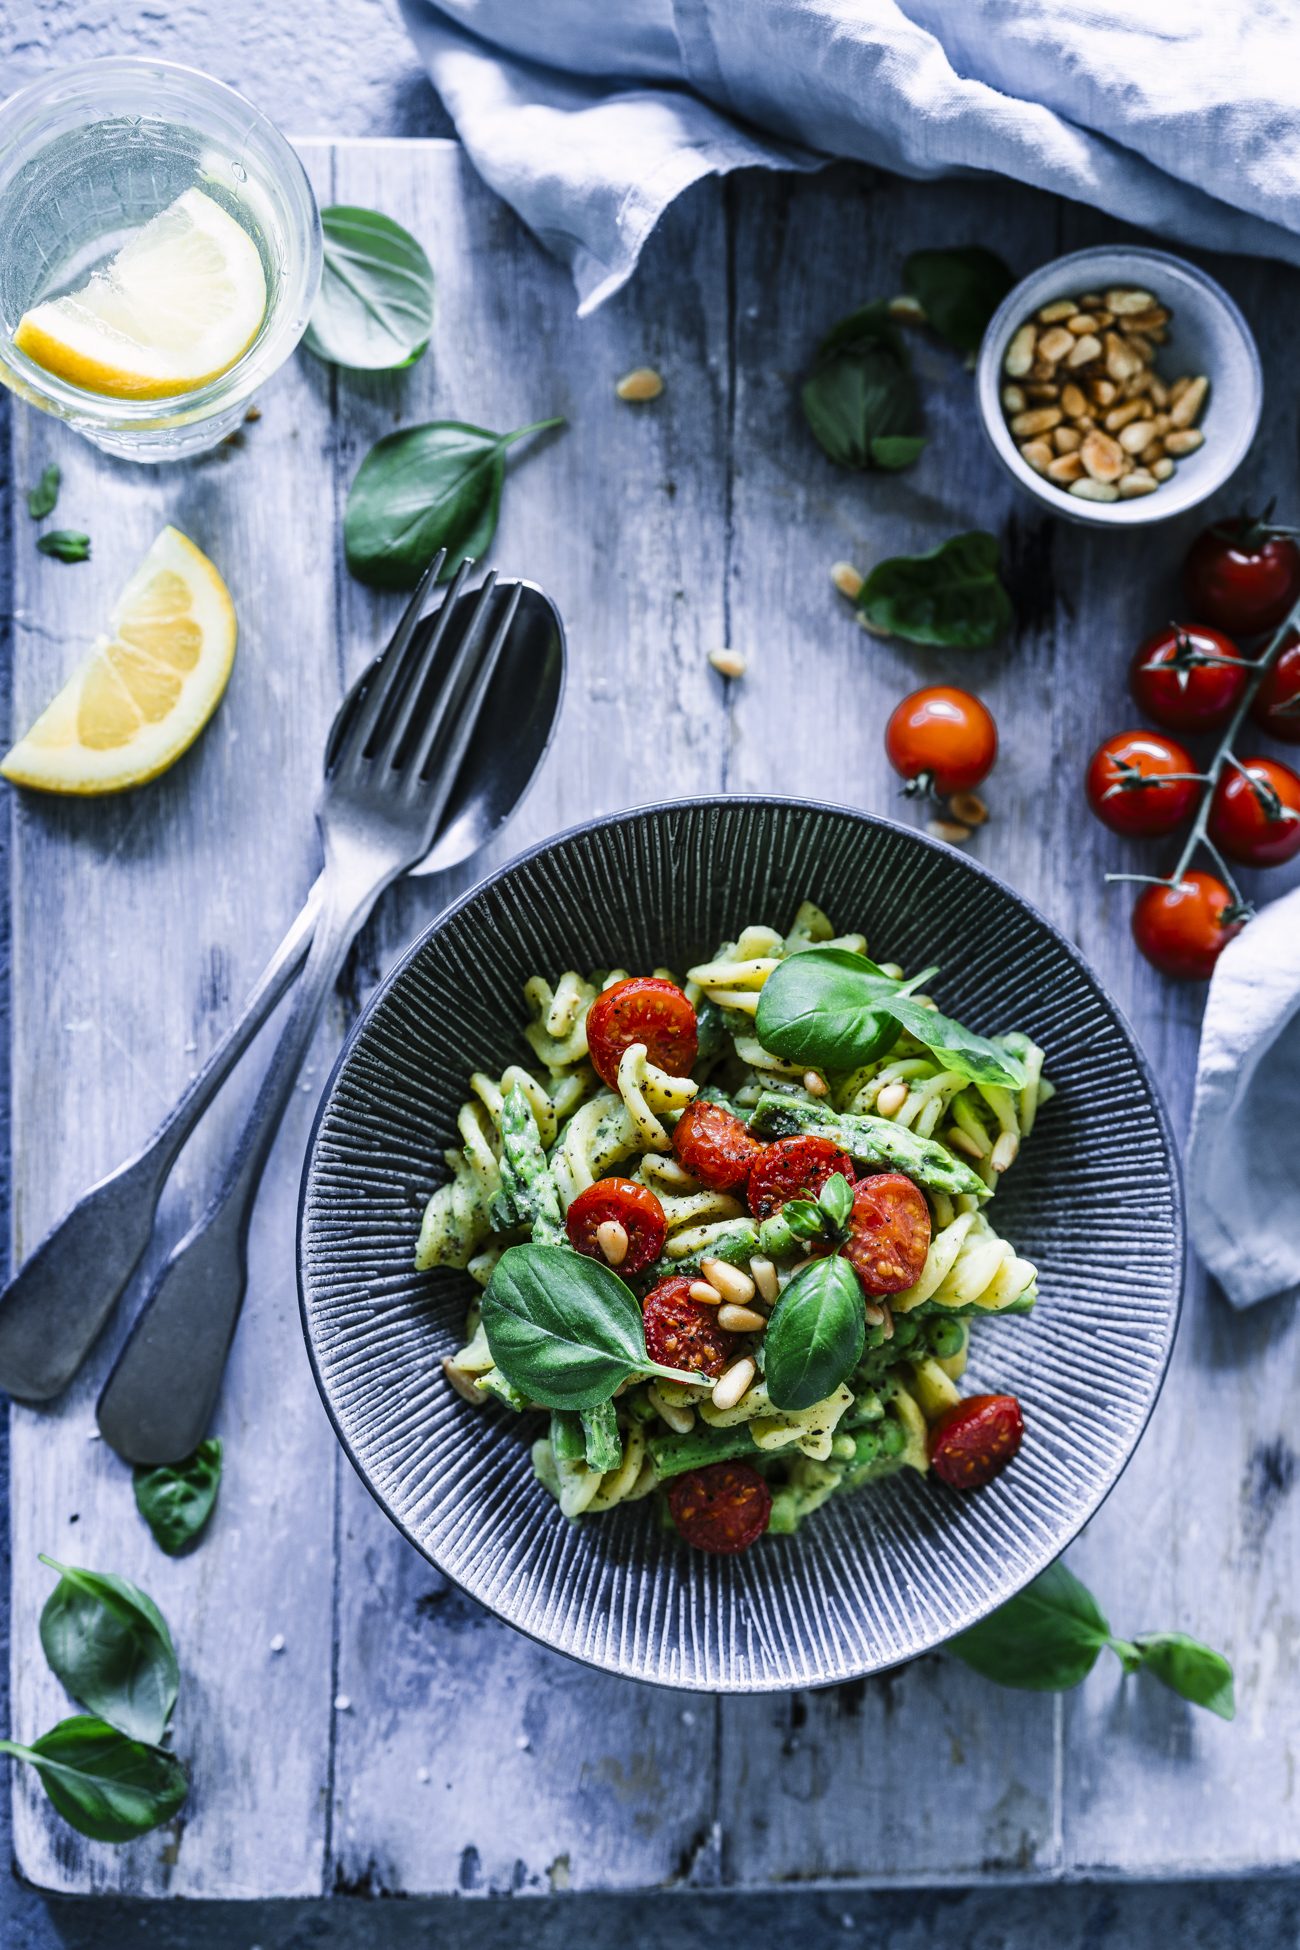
{"points": [[403, 1740]]}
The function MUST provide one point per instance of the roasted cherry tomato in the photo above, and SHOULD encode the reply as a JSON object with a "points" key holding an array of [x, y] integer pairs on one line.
{"points": [[630, 1205], [1243, 576], [794, 1167], [1255, 812], [1188, 678], [714, 1145], [974, 1440], [1277, 701], [889, 1232], [941, 740], [1123, 786], [643, 1009], [724, 1507], [680, 1333], [1181, 929]]}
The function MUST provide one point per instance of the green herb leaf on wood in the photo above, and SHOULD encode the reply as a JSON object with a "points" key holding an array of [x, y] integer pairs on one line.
{"points": [[1044, 1640], [374, 309], [949, 596], [860, 398], [958, 290], [106, 1786], [176, 1499], [42, 498], [108, 1643], [816, 1334], [65, 545], [1187, 1667]]}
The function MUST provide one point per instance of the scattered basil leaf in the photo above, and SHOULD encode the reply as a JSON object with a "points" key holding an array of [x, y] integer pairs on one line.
{"points": [[957, 1048], [950, 596], [374, 309], [826, 1006], [860, 398], [816, 1334], [106, 1786], [1044, 1640], [836, 1200], [426, 488], [108, 1643], [958, 290], [65, 544], [1189, 1668], [42, 498], [176, 1499]]}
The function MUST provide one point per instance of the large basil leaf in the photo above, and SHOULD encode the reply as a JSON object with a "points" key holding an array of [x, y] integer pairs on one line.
{"points": [[374, 309], [1044, 1640], [954, 1047], [823, 1007], [860, 398], [426, 488], [1193, 1670], [176, 1499], [816, 1334], [105, 1786], [108, 1643], [958, 290], [950, 596]]}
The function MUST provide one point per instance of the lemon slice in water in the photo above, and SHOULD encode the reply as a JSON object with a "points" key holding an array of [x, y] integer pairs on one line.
{"points": [[146, 690], [179, 304]]}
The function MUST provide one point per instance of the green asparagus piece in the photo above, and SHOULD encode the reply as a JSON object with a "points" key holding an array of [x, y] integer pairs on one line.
{"points": [[875, 1141], [671, 1454], [527, 1186], [568, 1437], [603, 1446]]}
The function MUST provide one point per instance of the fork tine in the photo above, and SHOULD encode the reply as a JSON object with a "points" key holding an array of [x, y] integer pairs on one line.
{"points": [[370, 710], [459, 721], [453, 683]]}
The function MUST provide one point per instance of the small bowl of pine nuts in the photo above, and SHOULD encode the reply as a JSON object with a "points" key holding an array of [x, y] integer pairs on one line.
{"points": [[1120, 386]]}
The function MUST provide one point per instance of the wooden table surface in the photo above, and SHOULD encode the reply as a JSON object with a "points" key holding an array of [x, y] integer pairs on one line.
{"points": [[403, 1740]]}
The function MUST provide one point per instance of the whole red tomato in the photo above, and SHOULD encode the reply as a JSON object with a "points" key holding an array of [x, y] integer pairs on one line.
{"points": [[1276, 704], [1188, 678], [942, 740], [1242, 575], [1182, 929], [1255, 812], [1141, 783]]}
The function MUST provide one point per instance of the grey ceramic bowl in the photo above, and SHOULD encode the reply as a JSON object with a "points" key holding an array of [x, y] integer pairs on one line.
{"points": [[1208, 334], [874, 1577]]}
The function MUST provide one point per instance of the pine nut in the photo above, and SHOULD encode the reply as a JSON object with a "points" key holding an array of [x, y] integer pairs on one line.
{"points": [[815, 1086], [1125, 303], [1083, 350], [728, 663], [680, 1420], [740, 1320], [1039, 455], [847, 580], [1059, 309], [1102, 391], [1004, 1151], [1183, 440], [1020, 352], [612, 1239], [705, 1293], [1074, 401], [1082, 322], [1140, 481], [763, 1274], [969, 808], [890, 1100], [1119, 416], [1139, 434], [1066, 440], [1102, 457], [733, 1383], [1055, 344], [951, 830], [1162, 468], [1090, 490], [1013, 401], [732, 1285], [1066, 467], [639, 386], [1039, 419], [1189, 403], [1122, 362]]}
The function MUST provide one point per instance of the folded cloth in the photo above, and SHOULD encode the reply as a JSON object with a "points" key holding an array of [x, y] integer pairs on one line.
{"points": [[590, 116], [1243, 1155]]}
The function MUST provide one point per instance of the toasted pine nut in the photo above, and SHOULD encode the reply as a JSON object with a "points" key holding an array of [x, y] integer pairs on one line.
{"points": [[1073, 401], [1039, 455], [706, 1293], [1178, 387], [681, 1420], [1102, 457], [1020, 352], [612, 1239], [1137, 435], [1039, 419], [1083, 350], [733, 1383], [1124, 303], [847, 580], [1082, 323], [1102, 391], [1060, 308], [1054, 344], [1004, 1151], [947, 829], [641, 385], [253, 413], [1140, 481], [728, 663], [1189, 403], [815, 1086], [1042, 390], [1162, 468], [890, 1100], [740, 1320], [1066, 467], [969, 808], [1122, 362], [731, 1283], [1066, 440], [1013, 400], [763, 1273], [1089, 490], [1119, 416], [1183, 440]]}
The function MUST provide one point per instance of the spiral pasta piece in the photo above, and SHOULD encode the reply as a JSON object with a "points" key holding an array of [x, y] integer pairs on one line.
{"points": [[969, 1264]]}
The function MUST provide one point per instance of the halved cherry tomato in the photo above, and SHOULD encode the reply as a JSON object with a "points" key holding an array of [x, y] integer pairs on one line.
{"points": [[1181, 929], [680, 1333], [724, 1507], [1276, 704], [1243, 576], [889, 1232], [1255, 812], [942, 739], [974, 1440], [1188, 678], [794, 1167], [632, 1206], [714, 1145], [1124, 786], [642, 1009]]}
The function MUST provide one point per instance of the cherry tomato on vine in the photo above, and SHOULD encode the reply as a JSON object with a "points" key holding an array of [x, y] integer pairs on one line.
{"points": [[1124, 788], [1242, 575], [1255, 812], [941, 740], [1188, 678], [642, 1009], [1277, 701], [1183, 929]]}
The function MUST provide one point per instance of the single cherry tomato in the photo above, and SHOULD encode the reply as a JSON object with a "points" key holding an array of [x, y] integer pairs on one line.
{"points": [[1255, 812], [1188, 678], [714, 1145], [941, 740], [724, 1507], [1182, 929], [1124, 788], [630, 1205], [1243, 576], [794, 1167], [1277, 701], [974, 1440], [643, 1009], [680, 1333], [889, 1232]]}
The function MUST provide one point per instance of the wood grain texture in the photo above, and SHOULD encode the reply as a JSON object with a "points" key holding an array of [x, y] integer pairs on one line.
{"points": [[138, 925]]}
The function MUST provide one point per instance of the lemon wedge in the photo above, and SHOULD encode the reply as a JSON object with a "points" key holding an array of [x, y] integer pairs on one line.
{"points": [[146, 690], [179, 304]]}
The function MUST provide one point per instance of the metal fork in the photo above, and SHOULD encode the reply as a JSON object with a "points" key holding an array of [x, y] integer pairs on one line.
{"points": [[378, 814]]}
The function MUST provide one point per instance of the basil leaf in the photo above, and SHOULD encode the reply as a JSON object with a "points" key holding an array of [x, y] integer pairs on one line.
{"points": [[836, 1200], [958, 290], [176, 1499], [105, 1786], [65, 544], [954, 1047], [374, 309], [949, 596], [1044, 1640], [108, 1643], [1189, 1668], [426, 488], [821, 1007], [860, 398], [41, 498], [816, 1334]]}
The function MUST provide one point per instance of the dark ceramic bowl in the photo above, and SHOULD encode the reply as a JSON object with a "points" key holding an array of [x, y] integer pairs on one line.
{"points": [[871, 1578]]}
